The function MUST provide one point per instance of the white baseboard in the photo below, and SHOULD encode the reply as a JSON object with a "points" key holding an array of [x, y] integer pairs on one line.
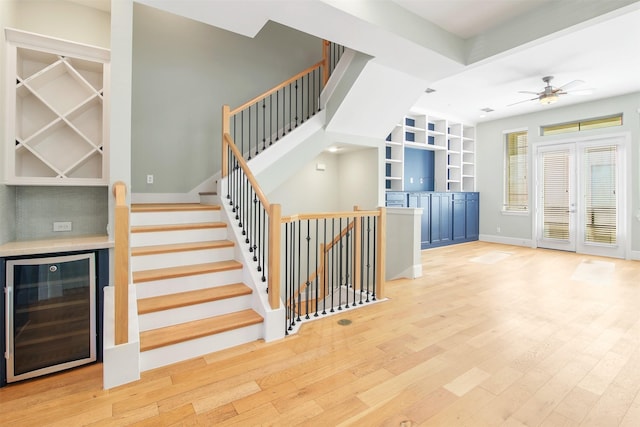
{"points": [[413, 272], [635, 255], [506, 240]]}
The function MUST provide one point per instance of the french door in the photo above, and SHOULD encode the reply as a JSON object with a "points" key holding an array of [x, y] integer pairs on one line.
{"points": [[580, 197]]}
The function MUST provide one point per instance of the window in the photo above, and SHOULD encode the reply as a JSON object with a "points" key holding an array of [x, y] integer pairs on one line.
{"points": [[582, 125], [516, 197]]}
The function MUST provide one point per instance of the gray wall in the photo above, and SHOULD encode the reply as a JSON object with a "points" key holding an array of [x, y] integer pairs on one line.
{"points": [[183, 72], [28, 212], [358, 179], [349, 179], [490, 158]]}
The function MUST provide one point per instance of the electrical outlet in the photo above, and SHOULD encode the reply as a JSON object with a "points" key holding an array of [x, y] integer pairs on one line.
{"points": [[62, 226], [498, 229], [149, 179]]}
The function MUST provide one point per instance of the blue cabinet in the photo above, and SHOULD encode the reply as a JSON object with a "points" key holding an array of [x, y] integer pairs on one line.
{"points": [[472, 216], [447, 218], [458, 215], [440, 219]]}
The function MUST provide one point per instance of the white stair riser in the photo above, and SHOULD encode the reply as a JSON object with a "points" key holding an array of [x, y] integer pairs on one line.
{"points": [[174, 259], [209, 199], [187, 283], [174, 217], [175, 316], [178, 236], [189, 349]]}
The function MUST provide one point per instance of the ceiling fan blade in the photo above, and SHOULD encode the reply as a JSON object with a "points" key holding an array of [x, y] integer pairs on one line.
{"points": [[524, 100], [529, 92], [569, 85], [579, 92]]}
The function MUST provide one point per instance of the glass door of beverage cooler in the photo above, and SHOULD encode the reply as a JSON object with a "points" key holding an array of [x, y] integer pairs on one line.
{"points": [[51, 320]]}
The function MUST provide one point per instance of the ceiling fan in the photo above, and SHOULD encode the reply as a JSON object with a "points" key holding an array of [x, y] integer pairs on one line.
{"points": [[550, 94]]}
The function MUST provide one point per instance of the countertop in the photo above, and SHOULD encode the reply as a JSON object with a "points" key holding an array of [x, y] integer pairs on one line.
{"points": [[69, 244]]}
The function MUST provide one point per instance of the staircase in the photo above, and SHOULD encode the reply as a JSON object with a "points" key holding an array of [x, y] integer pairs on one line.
{"points": [[191, 299]]}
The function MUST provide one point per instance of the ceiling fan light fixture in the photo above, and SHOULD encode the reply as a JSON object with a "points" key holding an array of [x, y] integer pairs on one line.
{"points": [[548, 99]]}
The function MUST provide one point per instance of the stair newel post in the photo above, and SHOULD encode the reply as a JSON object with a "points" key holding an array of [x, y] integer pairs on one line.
{"points": [[357, 255], [381, 251], [121, 264], [326, 45], [275, 221]]}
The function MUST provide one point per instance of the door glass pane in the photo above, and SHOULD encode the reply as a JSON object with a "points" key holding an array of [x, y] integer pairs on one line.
{"points": [[556, 195], [600, 195]]}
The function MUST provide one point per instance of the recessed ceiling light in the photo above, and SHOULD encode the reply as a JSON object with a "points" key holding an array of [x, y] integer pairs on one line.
{"points": [[429, 90], [333, 149], [487, 110]]}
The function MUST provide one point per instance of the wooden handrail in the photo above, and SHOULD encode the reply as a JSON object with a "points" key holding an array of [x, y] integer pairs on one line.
{"points": [[329, 215], [277, 88], [121, 264], [243, 164]]}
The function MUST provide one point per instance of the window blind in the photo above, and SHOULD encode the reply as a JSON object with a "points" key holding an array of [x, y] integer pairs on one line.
{"points": [[517, 187], [600, 194], [556, 196]]}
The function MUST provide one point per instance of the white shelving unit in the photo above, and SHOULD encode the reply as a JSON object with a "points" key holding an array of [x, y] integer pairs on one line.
{"points": [[57, 108], [453, 145]]}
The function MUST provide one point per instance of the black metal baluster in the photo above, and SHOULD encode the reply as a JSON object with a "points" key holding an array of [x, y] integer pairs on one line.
{"points": [[307, 290], [368, 256], [265, 249], [271, 119], [299, 279], [287, 280], [324, 270], [333, 267], [340, 254], [319, 91], [317, 247], [373, 273], [264, 124], [347, 258]]}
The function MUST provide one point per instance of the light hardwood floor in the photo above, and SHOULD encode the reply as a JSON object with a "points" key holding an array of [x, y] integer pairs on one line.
{"points": [[491, 335]]}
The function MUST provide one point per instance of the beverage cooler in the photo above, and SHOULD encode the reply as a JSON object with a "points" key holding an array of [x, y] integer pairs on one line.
{"points": [[50, 309]]}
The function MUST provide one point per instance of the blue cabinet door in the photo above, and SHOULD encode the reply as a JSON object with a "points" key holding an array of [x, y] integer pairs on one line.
{"points": [[424, 202], [440, 218], [458, 205], [472, 216]]}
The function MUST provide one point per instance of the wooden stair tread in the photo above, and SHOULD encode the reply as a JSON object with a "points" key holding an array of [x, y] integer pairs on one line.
{"points": [[180, 247], [176, 227], [183, 299], [170, 207], [184, 270], [169, 335]]}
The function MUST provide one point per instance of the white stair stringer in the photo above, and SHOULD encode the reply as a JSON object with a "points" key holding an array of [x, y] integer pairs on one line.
{"points": [[181, 253]]}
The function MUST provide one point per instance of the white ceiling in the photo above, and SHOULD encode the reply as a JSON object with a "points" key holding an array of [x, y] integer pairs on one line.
{"points": [[469, 18], [603, 51]]}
